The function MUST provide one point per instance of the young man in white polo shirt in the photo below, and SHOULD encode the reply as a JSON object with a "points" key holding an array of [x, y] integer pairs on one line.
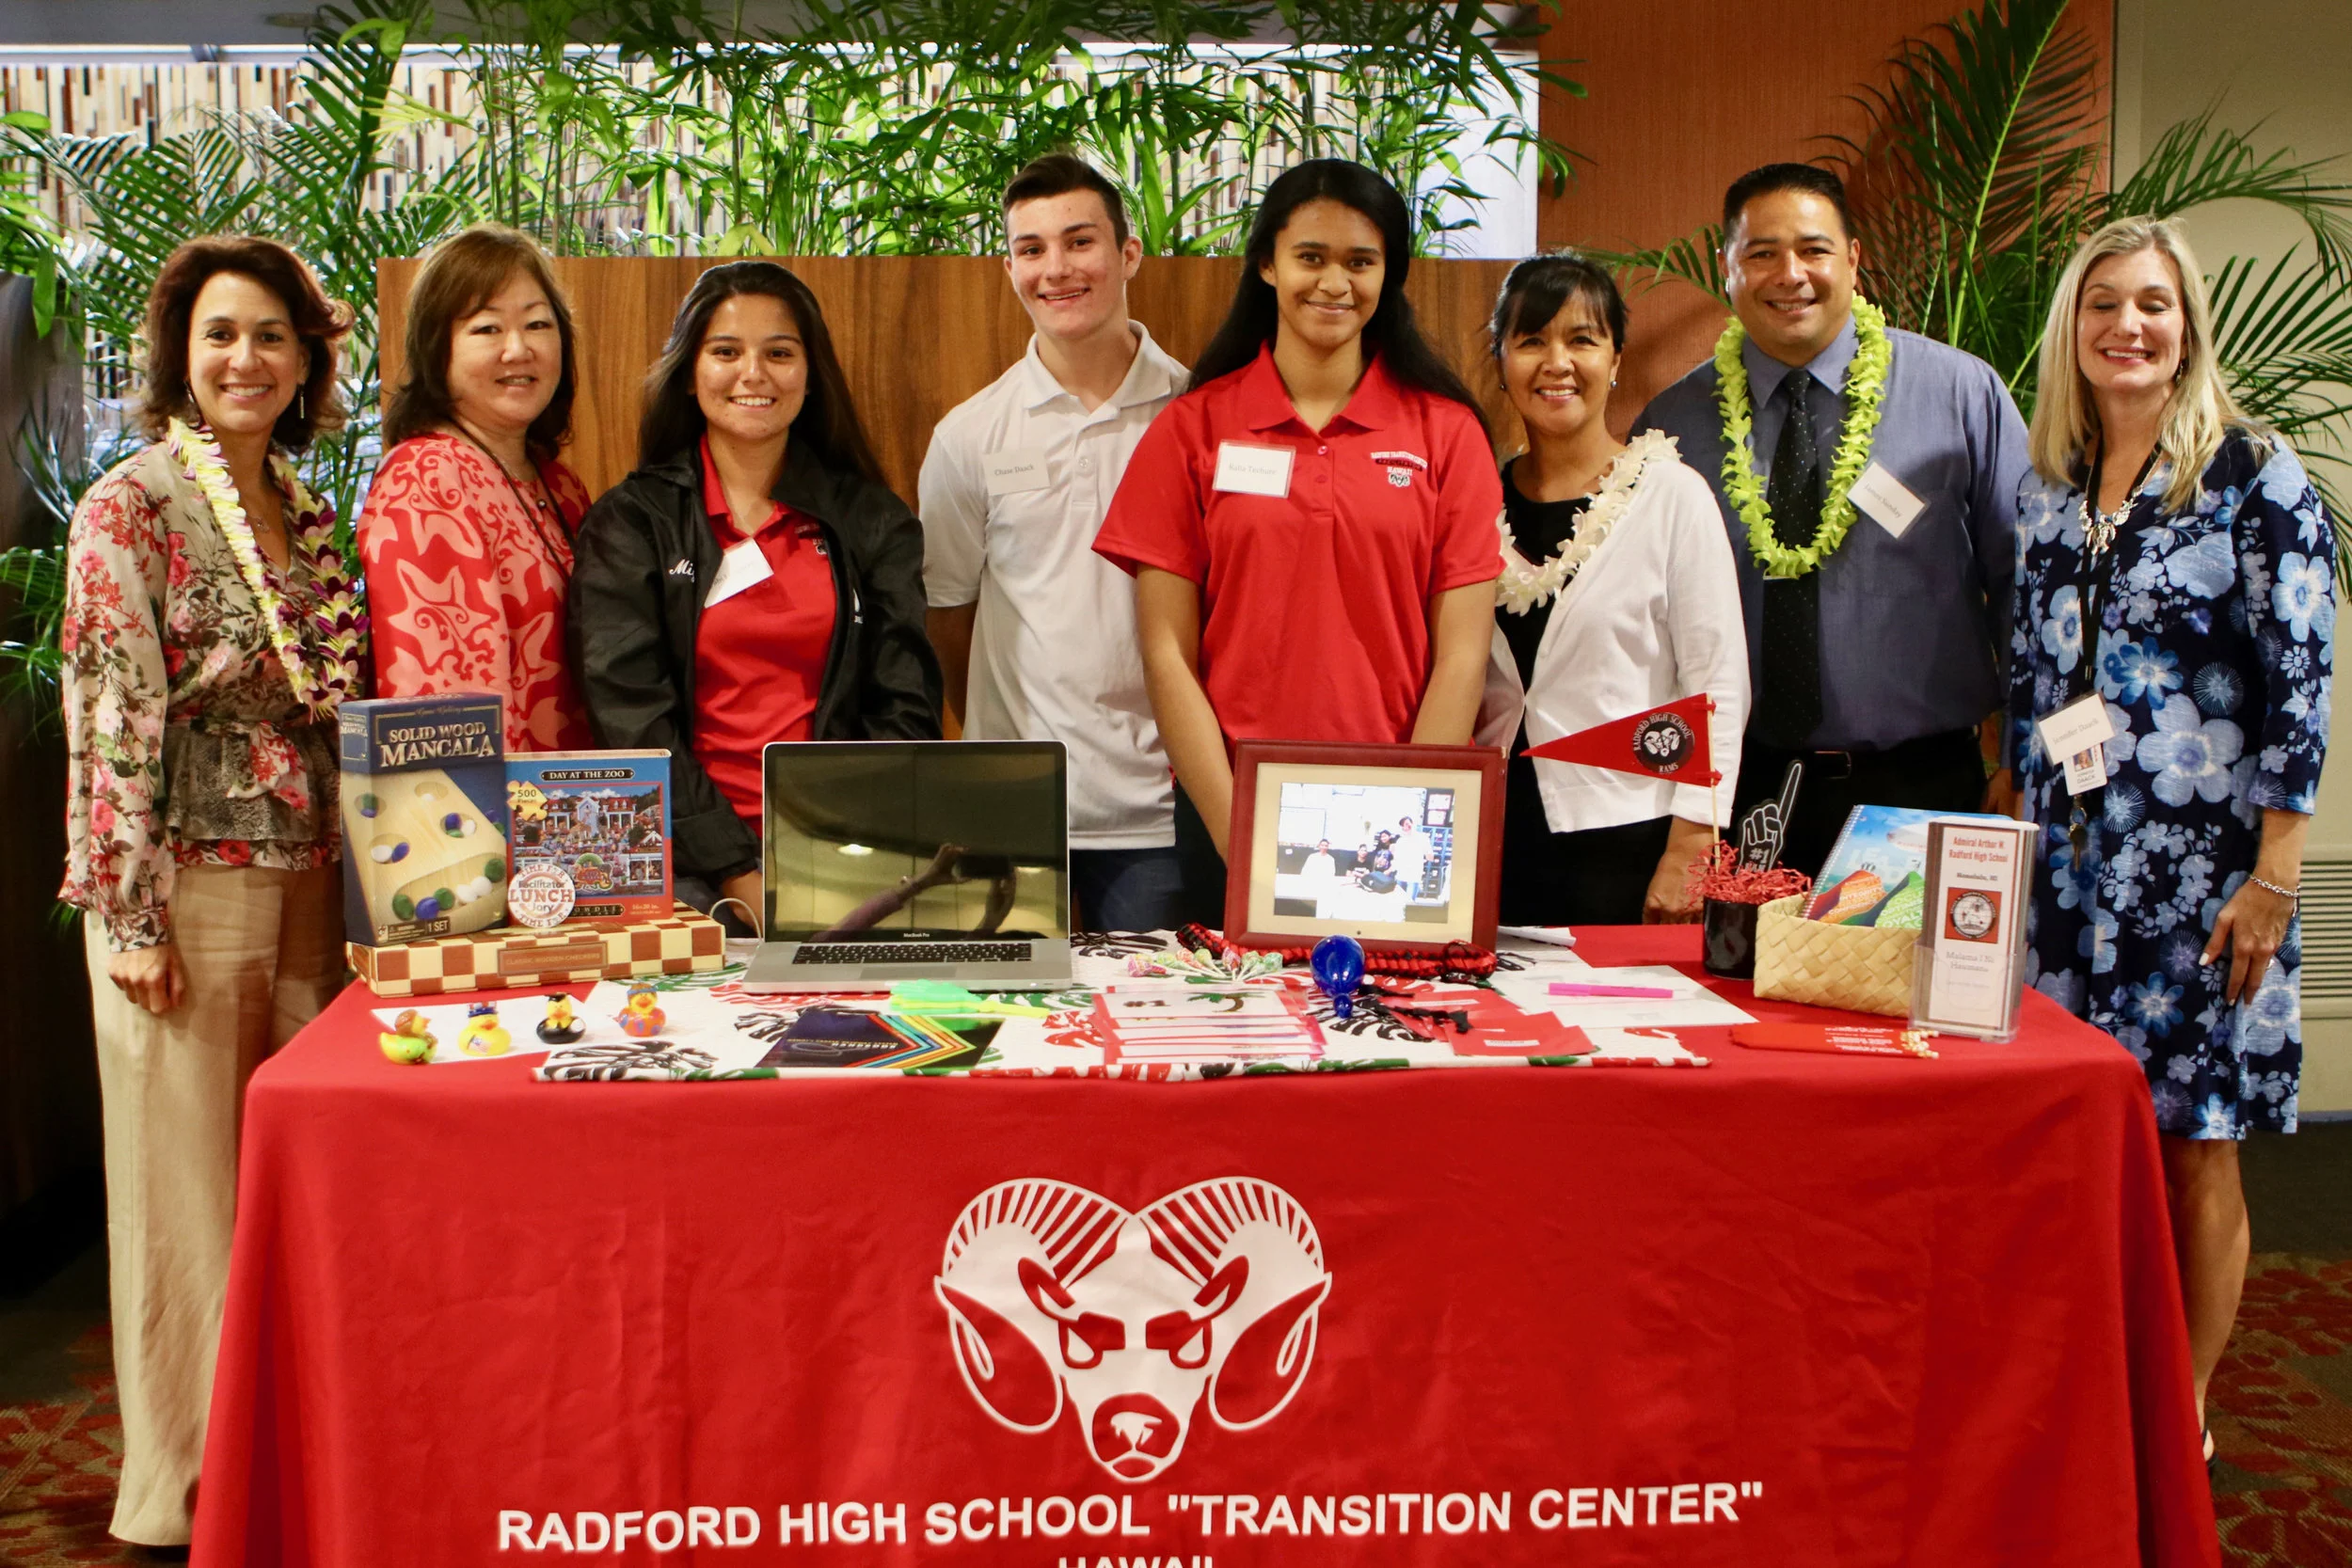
{"points": [[1036, 633]]}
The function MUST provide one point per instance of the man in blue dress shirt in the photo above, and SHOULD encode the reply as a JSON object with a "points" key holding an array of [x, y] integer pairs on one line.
{"points": [[1877, 660]]}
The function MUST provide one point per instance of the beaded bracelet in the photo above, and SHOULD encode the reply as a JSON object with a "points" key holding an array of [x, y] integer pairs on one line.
{"points": [[1460, 961], [2290, 895]]}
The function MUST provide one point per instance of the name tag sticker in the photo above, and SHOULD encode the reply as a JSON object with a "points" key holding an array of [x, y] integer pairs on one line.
{"points": [[744, 565], [1247, 470], [1888, 499], [1015, 470], [2076, 728]]}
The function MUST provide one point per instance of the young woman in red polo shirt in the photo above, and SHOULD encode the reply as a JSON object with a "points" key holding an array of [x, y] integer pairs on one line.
{"points": [[754, 580], [1312, 525]]}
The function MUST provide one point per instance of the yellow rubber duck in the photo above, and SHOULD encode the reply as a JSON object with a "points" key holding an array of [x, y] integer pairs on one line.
{"points": [[408, 1041], [481, 1035]]}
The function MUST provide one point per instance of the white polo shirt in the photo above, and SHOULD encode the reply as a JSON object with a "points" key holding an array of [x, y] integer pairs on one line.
{"points": [[1013, 491]]}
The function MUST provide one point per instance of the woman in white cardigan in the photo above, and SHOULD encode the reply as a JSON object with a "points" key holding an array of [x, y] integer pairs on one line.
{"points": [[1619, 593]]}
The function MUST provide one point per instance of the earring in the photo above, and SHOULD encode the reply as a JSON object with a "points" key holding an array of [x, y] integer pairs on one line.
{"points": [[302, 404], [1612, 381]]}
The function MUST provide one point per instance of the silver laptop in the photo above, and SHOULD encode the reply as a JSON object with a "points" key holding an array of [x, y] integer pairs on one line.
{"points": [[915, 860]]}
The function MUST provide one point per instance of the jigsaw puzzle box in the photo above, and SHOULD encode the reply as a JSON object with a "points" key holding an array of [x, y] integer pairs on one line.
{"points": [[602, 818], [424, 816]]}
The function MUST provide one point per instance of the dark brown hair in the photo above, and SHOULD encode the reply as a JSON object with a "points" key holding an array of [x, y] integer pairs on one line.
{"points": [[1060, 174], [320, 323], [461, 276], [827, 424]]}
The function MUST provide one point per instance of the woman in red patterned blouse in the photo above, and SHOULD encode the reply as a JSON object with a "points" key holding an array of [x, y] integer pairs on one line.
{"points": [[466, 534]]}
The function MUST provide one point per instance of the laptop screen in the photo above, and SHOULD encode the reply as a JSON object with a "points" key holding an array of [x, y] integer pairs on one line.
{"points": [[916, 840]]}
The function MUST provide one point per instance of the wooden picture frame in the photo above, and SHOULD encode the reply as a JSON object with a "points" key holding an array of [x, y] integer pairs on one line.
{"points": [[1388, 907]]}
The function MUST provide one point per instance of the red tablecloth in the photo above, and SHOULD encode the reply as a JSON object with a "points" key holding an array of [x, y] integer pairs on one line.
{"points": [[1787, 1309]]}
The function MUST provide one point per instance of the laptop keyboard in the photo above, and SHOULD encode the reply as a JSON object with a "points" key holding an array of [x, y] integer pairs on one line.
{"points": [[913, 953]]}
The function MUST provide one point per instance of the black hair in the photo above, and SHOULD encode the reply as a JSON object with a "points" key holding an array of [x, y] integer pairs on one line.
{"points": [[828, 422], [1541, 287], [1785, 177], [1251, 323], [1060, 173]]}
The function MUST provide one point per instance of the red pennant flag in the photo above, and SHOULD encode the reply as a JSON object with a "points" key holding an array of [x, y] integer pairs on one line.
{"points": [[1667, 743]]}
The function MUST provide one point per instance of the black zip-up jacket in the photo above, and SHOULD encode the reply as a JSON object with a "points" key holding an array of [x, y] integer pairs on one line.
{"points": [[644, 557]]}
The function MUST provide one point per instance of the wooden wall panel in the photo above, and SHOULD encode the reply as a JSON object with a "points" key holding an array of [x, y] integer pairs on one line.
{"points": [[917, 336]]}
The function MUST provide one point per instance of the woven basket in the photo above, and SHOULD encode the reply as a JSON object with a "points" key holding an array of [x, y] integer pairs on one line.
{"points": [[1860, 968]]}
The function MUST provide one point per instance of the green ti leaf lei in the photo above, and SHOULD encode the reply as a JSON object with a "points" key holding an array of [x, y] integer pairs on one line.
{"points": [[1866, 384]]}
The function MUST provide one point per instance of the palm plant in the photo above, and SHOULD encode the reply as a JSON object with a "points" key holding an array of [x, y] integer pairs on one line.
{"points": [[317, 174], [1984, 162], [57, 465], [29, 243]]}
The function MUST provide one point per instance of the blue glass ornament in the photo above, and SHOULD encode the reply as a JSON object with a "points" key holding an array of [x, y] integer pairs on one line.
{"points": [[1338, 966]]}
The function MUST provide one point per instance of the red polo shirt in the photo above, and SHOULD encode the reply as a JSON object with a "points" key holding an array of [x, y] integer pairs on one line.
{"points": [[1315, 621], [759, 654]]}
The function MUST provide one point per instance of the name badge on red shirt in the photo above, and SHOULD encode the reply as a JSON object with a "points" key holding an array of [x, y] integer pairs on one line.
{"points": [[743, 565], [1243, 469]]}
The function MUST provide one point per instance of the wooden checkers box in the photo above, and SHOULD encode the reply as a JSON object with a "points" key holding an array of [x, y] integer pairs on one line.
{"points": [[570, 954]]}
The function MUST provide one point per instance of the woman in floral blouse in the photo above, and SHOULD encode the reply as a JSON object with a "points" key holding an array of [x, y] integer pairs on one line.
{"points": [[211, 632], [2175, 596], [467, 535]]}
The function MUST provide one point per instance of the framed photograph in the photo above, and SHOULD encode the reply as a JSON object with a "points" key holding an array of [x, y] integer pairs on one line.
{"points": [[1399, 846]]}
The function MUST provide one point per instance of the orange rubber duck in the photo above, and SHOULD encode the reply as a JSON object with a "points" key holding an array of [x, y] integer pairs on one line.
{"points": [[641, 1016]]}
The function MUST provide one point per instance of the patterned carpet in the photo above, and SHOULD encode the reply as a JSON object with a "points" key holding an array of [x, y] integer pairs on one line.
{"points": [[2282, 1417], [61, 1455], [2282, 1421]]}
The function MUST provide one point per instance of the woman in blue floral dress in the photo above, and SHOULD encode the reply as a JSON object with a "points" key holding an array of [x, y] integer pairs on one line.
{"points": [[2165, 910]]}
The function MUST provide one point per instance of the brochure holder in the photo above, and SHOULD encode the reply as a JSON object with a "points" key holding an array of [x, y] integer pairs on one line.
{"points": [[1969, 975]]}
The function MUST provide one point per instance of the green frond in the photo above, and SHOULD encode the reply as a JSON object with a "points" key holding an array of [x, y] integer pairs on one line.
{"points": [[1695, 259], [1983, 144], [2197, 162]]}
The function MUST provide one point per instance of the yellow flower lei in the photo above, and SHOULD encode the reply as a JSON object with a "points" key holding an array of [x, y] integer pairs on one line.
{"points": [[1866, 384], [330, 674]]}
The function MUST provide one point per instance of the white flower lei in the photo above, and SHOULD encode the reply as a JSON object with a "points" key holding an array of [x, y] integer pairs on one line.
{"points": [[1523, 586], [328, 673]]}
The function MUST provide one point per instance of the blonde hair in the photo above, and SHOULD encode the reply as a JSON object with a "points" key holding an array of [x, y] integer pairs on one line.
{"points": [[2200, 410]]}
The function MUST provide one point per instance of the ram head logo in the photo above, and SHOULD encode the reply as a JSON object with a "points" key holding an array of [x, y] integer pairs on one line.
{"points": [[1056, 1295]]}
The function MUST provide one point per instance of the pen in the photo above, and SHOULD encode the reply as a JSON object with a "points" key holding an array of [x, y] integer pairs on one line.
{"points": [[1550, 935], [1578, 988]]}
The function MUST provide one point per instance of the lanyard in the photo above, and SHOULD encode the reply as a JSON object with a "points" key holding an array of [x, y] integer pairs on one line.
{"points": [[2097, 566], [2096, 569]]}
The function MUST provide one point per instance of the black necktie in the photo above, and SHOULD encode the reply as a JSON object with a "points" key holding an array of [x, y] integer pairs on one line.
{"points": [[1789, 687]]}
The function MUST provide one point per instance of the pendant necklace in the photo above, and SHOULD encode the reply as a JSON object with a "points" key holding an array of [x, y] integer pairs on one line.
{"points": [[536, 507]]}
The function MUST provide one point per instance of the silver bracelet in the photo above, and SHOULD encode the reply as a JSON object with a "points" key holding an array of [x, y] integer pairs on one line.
{"points": [[2287, 893]]}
